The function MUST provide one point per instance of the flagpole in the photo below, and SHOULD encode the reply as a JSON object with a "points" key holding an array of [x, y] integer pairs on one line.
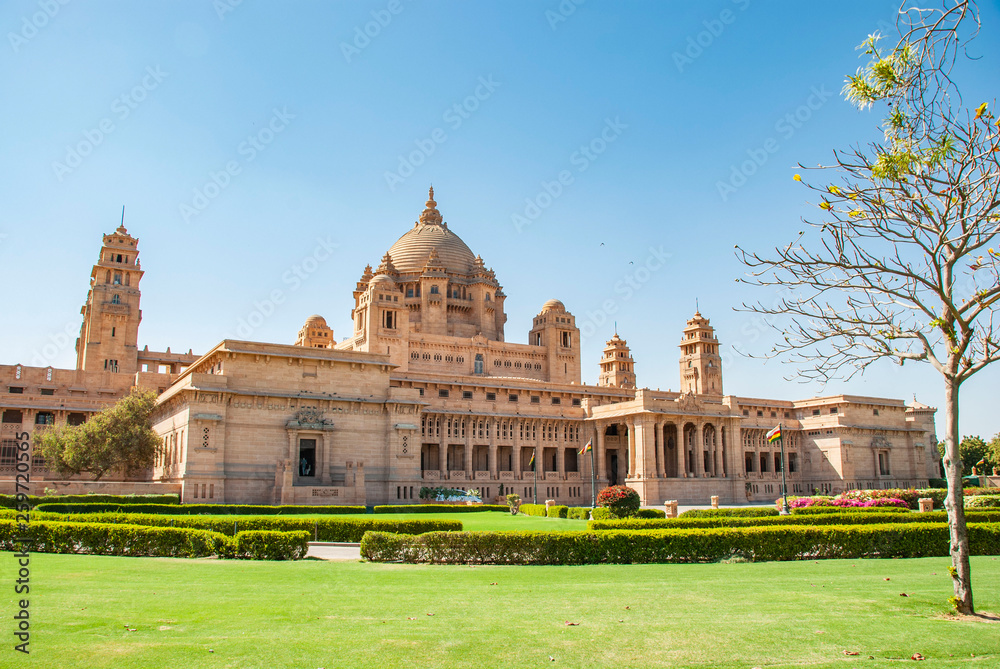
{"points": [[593, 480], [784, 483], [534, 471]]}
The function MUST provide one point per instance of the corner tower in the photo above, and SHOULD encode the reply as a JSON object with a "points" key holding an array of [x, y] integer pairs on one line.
{"points": [[617, 365], [110, 332], [701, 364]]}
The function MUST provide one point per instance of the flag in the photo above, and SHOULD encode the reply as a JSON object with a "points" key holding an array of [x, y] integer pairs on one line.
{"points": [[981, 463], [531, 462], [588, 447], [774, 435]]}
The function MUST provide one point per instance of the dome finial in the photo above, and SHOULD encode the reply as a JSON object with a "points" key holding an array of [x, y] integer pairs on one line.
{"points": [[431, 215]]}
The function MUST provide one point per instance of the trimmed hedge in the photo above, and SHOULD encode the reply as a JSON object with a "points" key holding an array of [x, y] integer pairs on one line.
{"points": [[147, 541], [10, 501], [268, 545], [114, 539], [533, 509], [348, 530], [739, 512], [558, 511], [982, 501], [844, 518], [579, 512], [194, 509], [650, 513], [820, 510], [697, 545], [440, 508]]}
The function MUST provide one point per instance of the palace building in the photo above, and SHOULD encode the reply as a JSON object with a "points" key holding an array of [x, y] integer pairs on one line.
{"points": [[427, 391]]}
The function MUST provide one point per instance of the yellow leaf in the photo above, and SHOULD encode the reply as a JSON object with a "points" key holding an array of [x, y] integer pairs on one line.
{"points": [[824, 205], [980, 109], [797, 178]]}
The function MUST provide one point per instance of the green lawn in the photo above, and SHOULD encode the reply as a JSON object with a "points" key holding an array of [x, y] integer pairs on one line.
{"points": [[335, 614]]}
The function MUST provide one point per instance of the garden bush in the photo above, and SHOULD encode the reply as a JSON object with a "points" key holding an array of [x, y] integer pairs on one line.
{"points": [[796, 519], [439, 508], [269, 545], [558, 511], [114, 539], [11, 501], [205, 509], [579, 512], [691, 545], [739, 512], [982, 501], [534, 509], [621, 500], [348, 530], [650, 513], [820, 510]]}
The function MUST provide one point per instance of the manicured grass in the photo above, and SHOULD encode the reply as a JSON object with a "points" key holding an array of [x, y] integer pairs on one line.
{"points": [[330, 614]]}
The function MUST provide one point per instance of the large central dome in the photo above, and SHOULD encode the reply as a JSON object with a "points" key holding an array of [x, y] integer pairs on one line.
{"points": [[430, 233]]}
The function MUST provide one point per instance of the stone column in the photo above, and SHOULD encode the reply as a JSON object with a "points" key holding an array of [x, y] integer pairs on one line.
{"points": [[493, 465], [681, 447], [468, 448], [443, 447], [698, 449], [324, 458], [631, 446], [516, 448], [561, 461], [660, 446], [599, 453]]}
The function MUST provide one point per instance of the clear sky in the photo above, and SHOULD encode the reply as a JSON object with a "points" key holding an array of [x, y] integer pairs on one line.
{"points": [[577, 146]]}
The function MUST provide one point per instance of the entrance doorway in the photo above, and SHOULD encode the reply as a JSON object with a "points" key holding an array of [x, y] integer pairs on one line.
{"points": [[307, 457]]}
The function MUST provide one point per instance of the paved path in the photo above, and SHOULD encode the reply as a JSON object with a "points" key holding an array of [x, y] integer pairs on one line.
{"points": [[329, 551]]}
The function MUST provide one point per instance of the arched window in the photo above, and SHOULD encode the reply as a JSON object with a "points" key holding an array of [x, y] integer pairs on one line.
{"points": [[116, 299], [107, 277]]}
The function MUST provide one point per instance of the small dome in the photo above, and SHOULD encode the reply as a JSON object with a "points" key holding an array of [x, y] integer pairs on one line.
{"points": [[553, 305], [316, 321], [382, 279]]}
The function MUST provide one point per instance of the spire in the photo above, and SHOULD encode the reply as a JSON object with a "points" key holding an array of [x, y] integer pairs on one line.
{"points": [[430, 215], [121, 228]]}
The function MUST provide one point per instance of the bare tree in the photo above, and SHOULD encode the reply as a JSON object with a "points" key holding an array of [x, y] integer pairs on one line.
{"points": [[901, 267]]}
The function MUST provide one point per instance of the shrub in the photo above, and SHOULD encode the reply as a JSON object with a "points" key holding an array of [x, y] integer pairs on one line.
{"points": [[620, 499], [739, 512], [513, 503], [981, 491], [579, 512], [843, 518], [601, 513], [982, 501], [10, 501], [533, 509], [558, 511], [693, 545], [115, 539], [192, 509], [813, 510], [650, 513], [438, 508], [323, 529], [269, 545]]}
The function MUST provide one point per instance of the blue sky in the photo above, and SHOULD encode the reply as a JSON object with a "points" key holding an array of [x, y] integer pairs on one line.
{"points": [[579, 148]]}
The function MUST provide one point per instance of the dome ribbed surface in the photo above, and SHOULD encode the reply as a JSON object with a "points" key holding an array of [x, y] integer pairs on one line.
{"points": [[410, 252]]}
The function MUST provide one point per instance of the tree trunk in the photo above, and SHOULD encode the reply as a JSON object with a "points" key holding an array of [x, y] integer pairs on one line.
{"points": [[961, 571]]}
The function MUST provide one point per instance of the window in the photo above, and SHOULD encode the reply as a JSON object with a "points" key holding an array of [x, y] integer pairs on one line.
{"points": [[15, 390], [833, 410], [576, 402], [118, 278], [76, 419], [421, 391], [491, 397], [112, 332], [774, 414], [815, 412], [434, 290], [389, 319], [47, 391], [409, 292], [466, 394], [11, 416], [556, 400], [567, 340], [746, 412], [874, 412], [511, 398], [478, 364], [116, 299], [883, 463], [442, 392], [760, 414], [535, 399], [793, 464], [45, 418]]}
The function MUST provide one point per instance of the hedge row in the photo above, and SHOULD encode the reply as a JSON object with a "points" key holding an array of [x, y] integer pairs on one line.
{"points": [[845, 518], [820, 510], [207, 509], [696, 545], [145, 541], [533, 509], [321, 529], [10, 501], [982, 501], [439, 508], [741, 512]]}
